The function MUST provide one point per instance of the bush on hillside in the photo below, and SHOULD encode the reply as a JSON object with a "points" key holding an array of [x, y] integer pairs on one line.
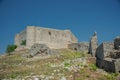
{"points": [[11, 48]]}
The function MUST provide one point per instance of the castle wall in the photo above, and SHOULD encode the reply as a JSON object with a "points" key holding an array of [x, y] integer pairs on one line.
{"points": [[20, 37], [80, 47], [31, 35], [53, 38]]}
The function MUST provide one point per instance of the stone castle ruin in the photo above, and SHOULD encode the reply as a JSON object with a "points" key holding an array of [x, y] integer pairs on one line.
{"points": [[53, 38], [45, 41]]}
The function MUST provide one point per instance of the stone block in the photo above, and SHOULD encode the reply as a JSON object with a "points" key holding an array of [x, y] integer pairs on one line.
{"points": [[105, 50], [117, 65]]}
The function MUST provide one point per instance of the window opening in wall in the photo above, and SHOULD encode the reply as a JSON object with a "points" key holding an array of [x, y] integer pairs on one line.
{"points": [[49, 33]]}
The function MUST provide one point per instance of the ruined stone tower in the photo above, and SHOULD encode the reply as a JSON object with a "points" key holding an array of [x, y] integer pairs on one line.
{"points": [[93, 44], [53, 38]]}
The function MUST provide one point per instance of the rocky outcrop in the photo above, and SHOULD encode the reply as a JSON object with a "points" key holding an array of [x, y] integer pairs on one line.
{"points": [[41, 49]]}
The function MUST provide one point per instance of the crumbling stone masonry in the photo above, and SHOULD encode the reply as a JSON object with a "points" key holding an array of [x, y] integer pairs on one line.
{"points": [[80, 47], [53, 38], [117, 43], [93, 44], [107, 57]]}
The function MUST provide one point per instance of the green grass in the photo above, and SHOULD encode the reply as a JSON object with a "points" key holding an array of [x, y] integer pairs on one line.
{"points": [[15, 65], [93, 67], [67, 55], [111, 76]]}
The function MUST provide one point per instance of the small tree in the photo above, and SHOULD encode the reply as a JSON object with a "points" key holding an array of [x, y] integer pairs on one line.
{"points": [[11, 48], [23, 42]]}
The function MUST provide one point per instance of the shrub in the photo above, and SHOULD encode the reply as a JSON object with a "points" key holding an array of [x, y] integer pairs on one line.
{"points": [[11, 48], [23, 42]]}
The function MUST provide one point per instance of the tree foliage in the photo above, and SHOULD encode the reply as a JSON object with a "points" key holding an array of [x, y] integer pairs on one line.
{"points": [[11, 48], [23, 42]]}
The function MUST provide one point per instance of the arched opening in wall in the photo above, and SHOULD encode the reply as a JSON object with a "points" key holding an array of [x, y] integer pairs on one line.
{"points": [[49, 33]]}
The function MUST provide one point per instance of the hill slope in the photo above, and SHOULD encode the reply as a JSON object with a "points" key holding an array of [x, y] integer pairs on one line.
{"points": [[67, 65]]}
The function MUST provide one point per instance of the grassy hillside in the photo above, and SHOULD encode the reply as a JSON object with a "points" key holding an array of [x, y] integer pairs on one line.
{"points": [[67, 65]]}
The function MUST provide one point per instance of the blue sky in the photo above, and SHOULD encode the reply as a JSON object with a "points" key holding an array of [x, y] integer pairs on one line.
{"points": [[82, 17]]}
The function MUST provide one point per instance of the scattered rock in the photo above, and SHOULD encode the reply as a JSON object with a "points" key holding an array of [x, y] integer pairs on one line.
{"points": [[63, 78], [42, 49]]}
